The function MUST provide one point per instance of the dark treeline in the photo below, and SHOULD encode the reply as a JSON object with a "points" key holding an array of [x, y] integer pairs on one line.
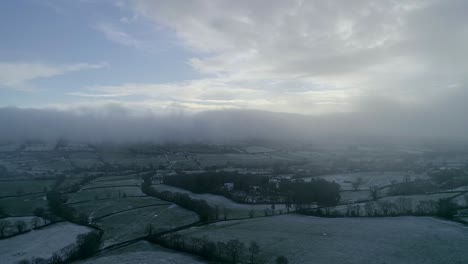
{"points": [[57, 206], [292, 192], [85, 246], [403, 206], [319, 191], [449, 179], [232, 251], [212, 182], [201, 207]]}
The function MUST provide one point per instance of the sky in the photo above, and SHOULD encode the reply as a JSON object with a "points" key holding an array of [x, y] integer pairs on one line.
{"points": [[404, 62]]}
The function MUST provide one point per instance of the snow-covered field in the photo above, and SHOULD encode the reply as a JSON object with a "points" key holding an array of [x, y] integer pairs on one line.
{"points": [[305, 239], [100, 208], [234, 210], [104, 193], [132, 224], [144, 253], [42, 243]]}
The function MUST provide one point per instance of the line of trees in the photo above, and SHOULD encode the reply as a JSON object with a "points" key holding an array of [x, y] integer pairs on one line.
{"points": [[201, 207], [57, 205], [232, 251], [403, 206]]}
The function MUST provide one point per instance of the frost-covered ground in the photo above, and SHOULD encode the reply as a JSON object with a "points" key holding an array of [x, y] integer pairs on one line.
{"points": [[100, 208], [143, 253], [122, 182], [132, 224], [42, 243], [104, 193], [306, 239], [235, 210]]}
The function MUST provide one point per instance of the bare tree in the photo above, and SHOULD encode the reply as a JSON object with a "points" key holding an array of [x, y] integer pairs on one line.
{"points": [[357, 183], [369, 208], [20, 225], [281, 260], [35, 222], [3, 226], [235, 248], [254, 249], [251, 213], [226, 213], [374, 192]]}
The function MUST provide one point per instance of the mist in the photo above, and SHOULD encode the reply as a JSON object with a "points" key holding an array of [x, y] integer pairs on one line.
{"points": [[375, 119]]}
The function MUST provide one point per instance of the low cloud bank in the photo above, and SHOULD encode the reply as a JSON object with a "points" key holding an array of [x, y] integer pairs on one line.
{"points": [[381, 121]]}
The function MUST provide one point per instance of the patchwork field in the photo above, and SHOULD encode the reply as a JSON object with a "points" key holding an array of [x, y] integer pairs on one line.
{"points": [[42, 243], [132, 224], [303, 239]]}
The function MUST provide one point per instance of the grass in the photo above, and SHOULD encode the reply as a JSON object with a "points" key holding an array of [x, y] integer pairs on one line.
{"points": [[100, 208], [305, 239], [24, 205], [132, 224], [104, 193], [41, 243], [8, 188]]}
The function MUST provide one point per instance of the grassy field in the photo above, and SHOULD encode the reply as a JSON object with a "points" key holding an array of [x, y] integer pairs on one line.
{"points": [[24, 205], [100, 208], [8, 188], [354, 196], [104, 193], [304, 239], [114, 182], [132, 224], [143, 253], [233, 209], [41, 243]]}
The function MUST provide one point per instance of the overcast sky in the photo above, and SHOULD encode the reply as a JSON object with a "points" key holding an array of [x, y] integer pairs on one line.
{"points": [[367, 59]]}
